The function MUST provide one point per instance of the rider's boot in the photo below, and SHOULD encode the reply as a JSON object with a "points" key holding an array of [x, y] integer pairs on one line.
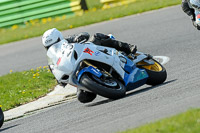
{"points": [[133, 49], [104, 40]]}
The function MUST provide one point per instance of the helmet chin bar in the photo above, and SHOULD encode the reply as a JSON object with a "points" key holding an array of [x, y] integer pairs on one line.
{"points": [[58, 40]]}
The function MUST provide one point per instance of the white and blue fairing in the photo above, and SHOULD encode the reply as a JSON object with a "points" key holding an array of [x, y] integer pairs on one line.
{"points": [[65, 59]]}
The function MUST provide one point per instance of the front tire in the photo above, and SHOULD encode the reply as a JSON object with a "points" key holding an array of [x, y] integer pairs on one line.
{"points": [[113, 90], [1, 117]]}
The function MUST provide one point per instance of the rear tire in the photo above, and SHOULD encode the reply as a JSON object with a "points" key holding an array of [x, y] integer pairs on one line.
{"points": [[157, 73], [85, 97], [97, 86], [1, 117]]}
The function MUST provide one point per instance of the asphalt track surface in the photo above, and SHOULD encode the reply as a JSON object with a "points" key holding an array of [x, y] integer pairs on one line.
{"points": [[165, 32]]}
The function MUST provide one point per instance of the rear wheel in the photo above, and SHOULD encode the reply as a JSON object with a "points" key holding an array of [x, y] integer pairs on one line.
{"points": [[1, 117], [110, 88], [157, 73]]}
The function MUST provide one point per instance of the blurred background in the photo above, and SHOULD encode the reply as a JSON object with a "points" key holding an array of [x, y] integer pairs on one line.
{"points": [[22, 19]]}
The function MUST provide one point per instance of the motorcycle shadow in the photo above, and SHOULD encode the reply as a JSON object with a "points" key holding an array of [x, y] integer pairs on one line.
{"points": [[100, 102], [7, 128], [134, 92]]}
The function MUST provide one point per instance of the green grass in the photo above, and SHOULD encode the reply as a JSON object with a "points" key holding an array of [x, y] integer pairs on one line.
{"points": [[188, 122], [94, 15], [93, 4], [21, 87]]}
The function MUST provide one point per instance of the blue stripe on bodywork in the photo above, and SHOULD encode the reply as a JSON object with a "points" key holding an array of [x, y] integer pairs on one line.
{"points": [[129, 66], [91, 70], [134, 77]]}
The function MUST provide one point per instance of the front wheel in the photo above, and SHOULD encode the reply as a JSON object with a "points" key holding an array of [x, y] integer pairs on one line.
{"points": [[157, 73], [110, 88], [1, 117]]}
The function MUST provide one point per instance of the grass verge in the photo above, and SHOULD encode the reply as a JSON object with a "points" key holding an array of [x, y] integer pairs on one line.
{"points": [[94, 15], [22, 87], [188, 122]]}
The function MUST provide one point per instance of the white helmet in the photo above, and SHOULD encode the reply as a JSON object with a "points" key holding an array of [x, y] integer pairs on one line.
{"points": [[195, 4], [51, 36]]}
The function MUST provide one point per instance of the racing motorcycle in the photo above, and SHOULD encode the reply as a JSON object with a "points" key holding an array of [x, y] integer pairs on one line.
{"points": [[1, 117], [98, 70], [193, 4]]}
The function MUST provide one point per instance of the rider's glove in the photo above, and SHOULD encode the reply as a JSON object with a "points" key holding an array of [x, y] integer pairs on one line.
{"points": [[192, 17], [84, 36]]}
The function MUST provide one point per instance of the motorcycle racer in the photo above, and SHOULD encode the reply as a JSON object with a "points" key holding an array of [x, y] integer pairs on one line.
{"points": [[98, 70], [52, 36], [192, 9]]}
